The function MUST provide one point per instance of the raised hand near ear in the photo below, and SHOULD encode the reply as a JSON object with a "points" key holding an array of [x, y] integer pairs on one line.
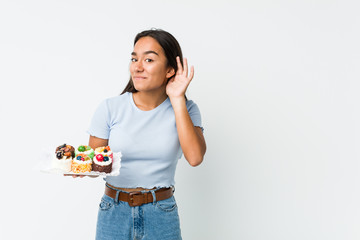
{"points": [[178, 84]]}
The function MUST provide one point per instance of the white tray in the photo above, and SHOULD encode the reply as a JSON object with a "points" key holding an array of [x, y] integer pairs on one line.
{"points": [[47, 157]]}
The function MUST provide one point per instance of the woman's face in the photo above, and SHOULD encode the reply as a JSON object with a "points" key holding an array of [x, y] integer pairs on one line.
{"points": [[148, 68]]}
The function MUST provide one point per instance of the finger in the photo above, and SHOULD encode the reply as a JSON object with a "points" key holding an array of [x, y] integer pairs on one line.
{"points": [[191, 73], [180, 68], [185, 67], [94, 176]]}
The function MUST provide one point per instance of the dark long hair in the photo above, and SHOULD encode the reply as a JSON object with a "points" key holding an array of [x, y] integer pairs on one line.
{"points": [[170, 46]]}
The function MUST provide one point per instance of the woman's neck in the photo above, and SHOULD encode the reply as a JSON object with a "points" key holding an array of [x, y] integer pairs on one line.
{"points": [[147, 101]]}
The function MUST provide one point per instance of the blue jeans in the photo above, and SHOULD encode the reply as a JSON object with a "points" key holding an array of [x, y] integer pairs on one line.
{"points": [[156, 220]]}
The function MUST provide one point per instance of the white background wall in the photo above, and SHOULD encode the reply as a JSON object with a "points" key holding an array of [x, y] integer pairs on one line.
{"points": [[277, 83]]}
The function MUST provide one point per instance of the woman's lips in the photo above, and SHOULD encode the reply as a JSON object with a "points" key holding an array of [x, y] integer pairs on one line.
{"points": [[138, 78]]}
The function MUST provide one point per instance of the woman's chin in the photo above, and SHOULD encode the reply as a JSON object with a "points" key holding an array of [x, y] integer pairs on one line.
{"points": [[138, 88], [142, 88]]}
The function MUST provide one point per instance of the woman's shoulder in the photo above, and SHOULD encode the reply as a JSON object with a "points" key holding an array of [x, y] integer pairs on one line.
{"points": [[120, 99], [115, 102]]}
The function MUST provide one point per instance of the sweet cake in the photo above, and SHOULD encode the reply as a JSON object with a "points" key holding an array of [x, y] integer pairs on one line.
{"points": [[64, 155], [81, 163], [102, 162], [87, 150]]}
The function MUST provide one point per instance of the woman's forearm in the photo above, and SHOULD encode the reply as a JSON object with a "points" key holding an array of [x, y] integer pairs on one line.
{"points": [[191, 138]]}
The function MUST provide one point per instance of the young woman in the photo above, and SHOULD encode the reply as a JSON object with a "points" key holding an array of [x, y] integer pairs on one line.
{"points": [[152, 124]]}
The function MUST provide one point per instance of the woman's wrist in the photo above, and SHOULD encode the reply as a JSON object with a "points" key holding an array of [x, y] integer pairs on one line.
{"points": [[177, 101]]}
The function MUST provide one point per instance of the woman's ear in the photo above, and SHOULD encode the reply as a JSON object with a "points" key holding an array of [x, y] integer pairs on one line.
{"points": [[170, 73]]}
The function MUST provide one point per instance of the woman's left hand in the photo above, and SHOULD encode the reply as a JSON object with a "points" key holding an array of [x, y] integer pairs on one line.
{"points": [[178, 84]]}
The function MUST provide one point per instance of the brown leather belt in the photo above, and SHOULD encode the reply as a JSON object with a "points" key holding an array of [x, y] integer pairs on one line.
{"points": [[139, 198]]}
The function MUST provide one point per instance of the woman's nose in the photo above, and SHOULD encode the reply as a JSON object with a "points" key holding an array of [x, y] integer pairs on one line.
{"points": [[138, 66]]}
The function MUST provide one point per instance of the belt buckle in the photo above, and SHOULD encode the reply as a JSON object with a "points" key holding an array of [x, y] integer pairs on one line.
{"points": [[131, 199]]}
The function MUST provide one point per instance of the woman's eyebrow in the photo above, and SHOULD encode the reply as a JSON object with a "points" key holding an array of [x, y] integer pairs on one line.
{"points": [[147, 52]]}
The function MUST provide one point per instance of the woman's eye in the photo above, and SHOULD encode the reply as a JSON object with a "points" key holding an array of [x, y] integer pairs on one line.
{"points": [[148, 60], [133, 59]]}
